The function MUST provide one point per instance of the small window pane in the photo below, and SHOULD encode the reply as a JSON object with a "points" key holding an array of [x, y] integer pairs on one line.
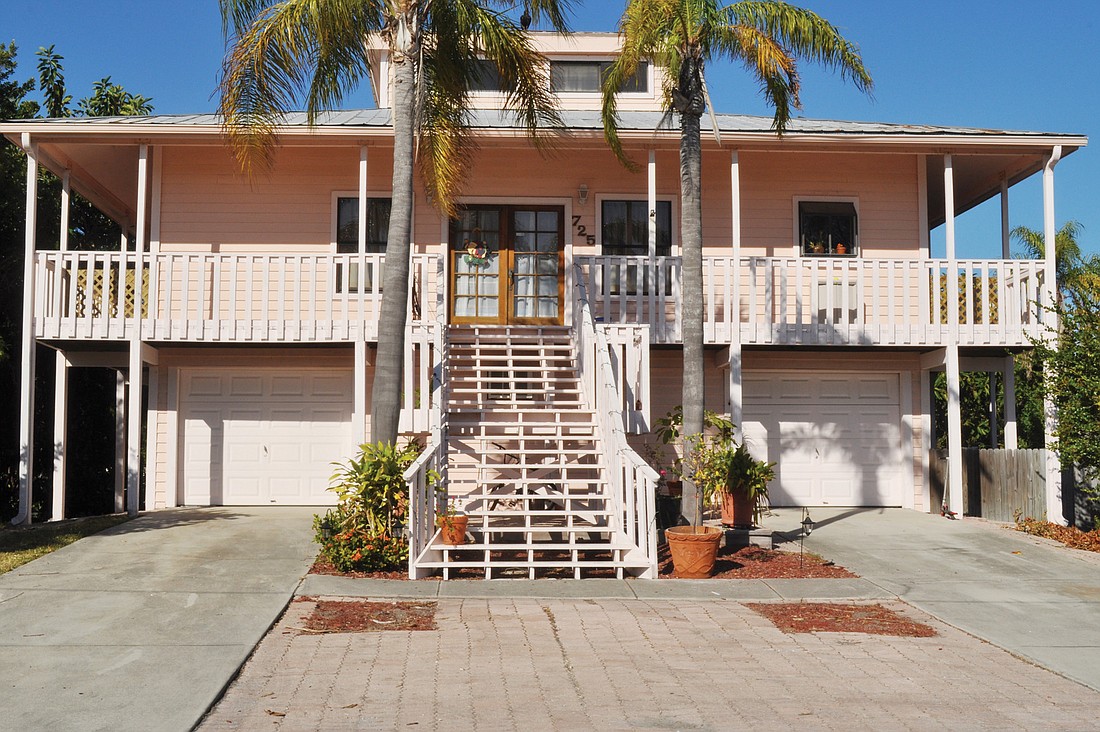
{"points": [[827, 227], [587, 76], [347, 225], [486, 76], [625, 228]]}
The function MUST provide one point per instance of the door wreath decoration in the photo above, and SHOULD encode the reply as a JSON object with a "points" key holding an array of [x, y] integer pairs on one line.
{"points": [[477, 251]]}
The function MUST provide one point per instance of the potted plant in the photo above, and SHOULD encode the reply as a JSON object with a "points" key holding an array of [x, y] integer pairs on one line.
{"points": [[727, 473], [452, 524], [694, 549]]}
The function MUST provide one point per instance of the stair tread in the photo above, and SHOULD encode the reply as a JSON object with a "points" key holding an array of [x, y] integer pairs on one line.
{"points": [[537, 547], [507, 564]]}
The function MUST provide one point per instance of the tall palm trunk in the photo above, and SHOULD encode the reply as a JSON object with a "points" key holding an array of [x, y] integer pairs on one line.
{"points": [[691, 242], [388, 367]]}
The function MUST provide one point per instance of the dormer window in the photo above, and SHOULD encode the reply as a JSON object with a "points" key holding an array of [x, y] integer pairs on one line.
{"points": [[587, 76], [486, 78]]}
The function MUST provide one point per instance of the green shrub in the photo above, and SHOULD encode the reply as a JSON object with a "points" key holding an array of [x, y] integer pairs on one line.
{"points": [[365, 532]]}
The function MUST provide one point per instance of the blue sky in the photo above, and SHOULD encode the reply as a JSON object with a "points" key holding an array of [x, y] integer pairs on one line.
{"points": [[981, 63]]}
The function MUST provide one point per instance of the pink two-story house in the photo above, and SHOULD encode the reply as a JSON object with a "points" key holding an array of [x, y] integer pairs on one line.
{"points": [[543, 332]]}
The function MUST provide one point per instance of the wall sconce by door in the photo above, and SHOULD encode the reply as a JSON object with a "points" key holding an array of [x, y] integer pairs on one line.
{"points": [[582, 195]]}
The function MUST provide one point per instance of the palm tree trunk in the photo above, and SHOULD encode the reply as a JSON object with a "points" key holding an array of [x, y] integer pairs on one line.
{"points": [[386, 392], [691, 242]]}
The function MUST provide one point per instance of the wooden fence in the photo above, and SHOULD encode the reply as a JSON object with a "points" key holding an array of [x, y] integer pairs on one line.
{"points": [[996, 483]]}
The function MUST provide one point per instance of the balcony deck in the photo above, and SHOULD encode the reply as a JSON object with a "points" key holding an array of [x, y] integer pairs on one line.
{"points": [[828, 301], [780, 301]]}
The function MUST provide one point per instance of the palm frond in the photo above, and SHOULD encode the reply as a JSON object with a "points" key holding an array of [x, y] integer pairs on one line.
{"points": [[284, 53]]}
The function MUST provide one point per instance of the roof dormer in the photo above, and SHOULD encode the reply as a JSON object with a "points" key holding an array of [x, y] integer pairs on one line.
{"points": [[576, 65]]}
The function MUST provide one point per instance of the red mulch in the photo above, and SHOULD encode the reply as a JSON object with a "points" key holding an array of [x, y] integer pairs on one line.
{"points": [[359, 616], [324, 566], [749, 562], [824, 617], [1071, 536], [753, 562]]}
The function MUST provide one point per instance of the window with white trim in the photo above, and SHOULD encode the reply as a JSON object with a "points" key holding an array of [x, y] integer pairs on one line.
{"points": [[347, 224], [347, 240], [588, 76], [624, 232], [828, 228]]}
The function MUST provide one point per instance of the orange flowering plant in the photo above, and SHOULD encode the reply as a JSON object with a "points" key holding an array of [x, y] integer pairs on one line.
{"points": [[365, 532]]}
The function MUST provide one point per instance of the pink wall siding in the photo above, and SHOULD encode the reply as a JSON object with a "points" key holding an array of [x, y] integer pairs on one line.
{"points": [[885, 186], [207, 204]]}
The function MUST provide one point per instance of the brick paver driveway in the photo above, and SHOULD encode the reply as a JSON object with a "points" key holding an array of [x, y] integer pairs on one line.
{"points": [[528, 664]]}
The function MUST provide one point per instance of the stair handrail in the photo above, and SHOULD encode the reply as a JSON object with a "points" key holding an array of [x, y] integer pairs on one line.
{"points": [[632, 481], [429, 470]]}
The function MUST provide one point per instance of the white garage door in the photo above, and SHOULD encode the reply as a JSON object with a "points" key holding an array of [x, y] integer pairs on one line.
{"points": [[837, 437], [263, 437]]}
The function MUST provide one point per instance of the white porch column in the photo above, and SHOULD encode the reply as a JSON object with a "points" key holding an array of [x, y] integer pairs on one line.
{"points": [[926, 444], [359, 404], [1050, 292], [120, 442], [141, 237], [26, 342], [954, 411], [651, 206], [1006, 231], [66, 195], [362, 199], [133, 430], [60, 429], [1009, 376], [735, 386]]}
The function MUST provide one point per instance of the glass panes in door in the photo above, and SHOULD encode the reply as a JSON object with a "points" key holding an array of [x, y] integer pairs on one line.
{"points": [[475, 242], [506, 265], [536, 242]]}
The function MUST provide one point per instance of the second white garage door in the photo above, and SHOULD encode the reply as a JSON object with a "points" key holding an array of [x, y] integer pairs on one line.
{"points": [[263, 437], [837, 437]]}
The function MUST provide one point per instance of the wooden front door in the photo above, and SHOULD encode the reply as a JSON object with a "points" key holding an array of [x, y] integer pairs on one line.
{"points": [[507, 265]]}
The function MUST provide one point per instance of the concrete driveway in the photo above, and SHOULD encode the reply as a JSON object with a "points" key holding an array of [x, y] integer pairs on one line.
{"points": [[142, 626], [1029, 596]]}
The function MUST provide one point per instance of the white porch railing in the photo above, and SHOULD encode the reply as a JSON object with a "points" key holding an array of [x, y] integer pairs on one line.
{"points": [[422, 379], [222, 297], [431, 464], [632, 482], [826, 300]]}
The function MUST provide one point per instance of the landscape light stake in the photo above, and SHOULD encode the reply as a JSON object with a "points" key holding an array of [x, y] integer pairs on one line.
{"points": [[807, 528]]}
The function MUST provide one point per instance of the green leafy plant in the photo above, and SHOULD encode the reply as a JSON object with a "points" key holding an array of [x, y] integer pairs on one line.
{"points": [[720, 465], [365, 531], [668, 431]]}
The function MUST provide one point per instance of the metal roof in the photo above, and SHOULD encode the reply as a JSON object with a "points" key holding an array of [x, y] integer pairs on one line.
{"points": [[575, 120]]}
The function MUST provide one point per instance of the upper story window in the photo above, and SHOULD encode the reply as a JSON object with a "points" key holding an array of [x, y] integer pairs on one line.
{"points": [[828, 228], [624, 231], [624, 228], [347, 224], [486, 78], [587, 76]]}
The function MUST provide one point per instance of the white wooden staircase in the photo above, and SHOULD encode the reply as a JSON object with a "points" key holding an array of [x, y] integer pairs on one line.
{"points": [[525, 462]]}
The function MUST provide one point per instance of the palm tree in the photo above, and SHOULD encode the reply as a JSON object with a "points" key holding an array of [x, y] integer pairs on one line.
{"points": [[1069, 267], [769, 38], [316, 50]]}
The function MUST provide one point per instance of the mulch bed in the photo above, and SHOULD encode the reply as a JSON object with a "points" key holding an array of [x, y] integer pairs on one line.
{"points": [[1070, 536], [753, 562], [824, 617], [324, 566], [365, 616]]}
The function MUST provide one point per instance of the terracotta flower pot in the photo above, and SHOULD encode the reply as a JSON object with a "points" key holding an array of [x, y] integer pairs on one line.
{"points": [[693, 550], [452, 529], [737, 509]]}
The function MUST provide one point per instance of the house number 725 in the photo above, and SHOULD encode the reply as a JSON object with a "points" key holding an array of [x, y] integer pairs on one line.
{"points": [[582, 230]]}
